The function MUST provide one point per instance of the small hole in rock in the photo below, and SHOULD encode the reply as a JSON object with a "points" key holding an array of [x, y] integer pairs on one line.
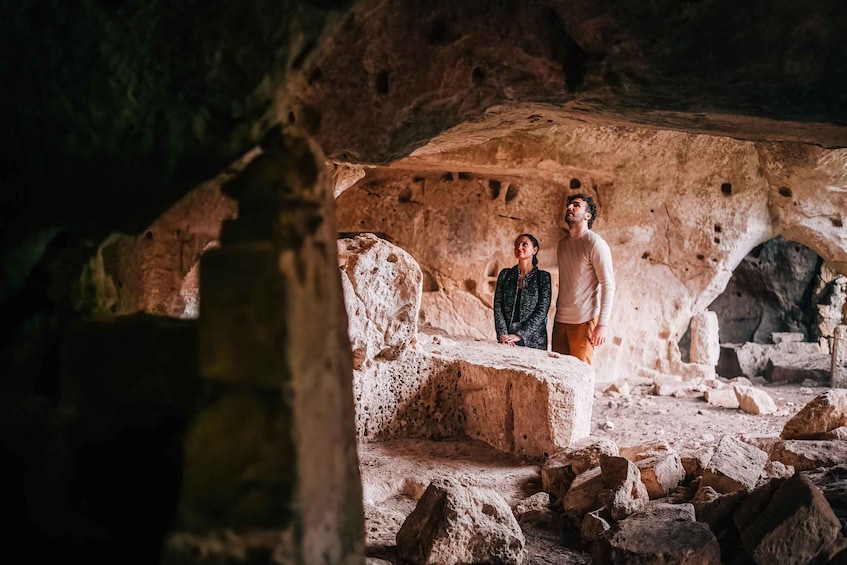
{"points": [[726, 188], [382, 82], [511, 193], [494, 188]]}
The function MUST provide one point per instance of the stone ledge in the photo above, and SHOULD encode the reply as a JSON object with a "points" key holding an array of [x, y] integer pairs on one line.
{"points": [[518, 400]]}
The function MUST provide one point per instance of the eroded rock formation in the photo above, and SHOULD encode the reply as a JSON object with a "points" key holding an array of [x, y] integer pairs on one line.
{"points": [[705, 118]]}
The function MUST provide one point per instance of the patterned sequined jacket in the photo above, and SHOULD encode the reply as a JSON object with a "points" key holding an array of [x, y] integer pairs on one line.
{"points": [[535, 303]]}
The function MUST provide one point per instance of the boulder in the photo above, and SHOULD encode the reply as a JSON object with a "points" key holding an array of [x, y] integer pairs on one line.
{"points": [[794, 526], [561, 468], [659, 535], [453, 523], [734, 466], [825, 412], [624, 494]]}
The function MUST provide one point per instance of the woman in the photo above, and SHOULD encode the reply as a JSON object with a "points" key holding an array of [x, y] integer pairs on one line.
{"points": [[522, 298]]}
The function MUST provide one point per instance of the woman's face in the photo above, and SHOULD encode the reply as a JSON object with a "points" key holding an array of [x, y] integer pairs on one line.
{"points": [[524, 248]]}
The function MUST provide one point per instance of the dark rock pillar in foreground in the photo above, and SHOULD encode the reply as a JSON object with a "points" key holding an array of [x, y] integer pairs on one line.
{"points": [[271, 471]]}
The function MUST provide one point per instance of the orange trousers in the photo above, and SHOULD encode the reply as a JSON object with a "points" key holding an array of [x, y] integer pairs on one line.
{"points": [[572, 339]]}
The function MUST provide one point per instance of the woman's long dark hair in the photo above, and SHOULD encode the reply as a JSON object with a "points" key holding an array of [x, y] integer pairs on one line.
{"points": [[534, 244]]}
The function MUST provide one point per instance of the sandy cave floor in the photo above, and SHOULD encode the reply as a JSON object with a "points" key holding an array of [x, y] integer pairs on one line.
{"points": [[395, 473]]}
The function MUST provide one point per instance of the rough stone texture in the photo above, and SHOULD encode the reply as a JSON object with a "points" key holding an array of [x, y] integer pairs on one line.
{"points": [[415, 396], [734, 466], [535, 509], [382, 295], [754, 400], [660, 467], [814, 367], [107, 128], [751, 359], [810, 454], [584, 495], [518, 400], [780, 337], [594, 526], [560, 469], [839, 358], [796, 524], [830, 296], [705, 340], [429, 392], [824, 413], [275, 372], [775, 470], [624, 493], [838, 433], [521, 400], [716, 509], [721, 397], [694, 461], [664, 511], [768, 293], [833, 483], [499, 181], [453, 523], [651, 538]]}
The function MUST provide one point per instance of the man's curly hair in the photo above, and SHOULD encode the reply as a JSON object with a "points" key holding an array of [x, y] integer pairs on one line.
{"points": [[592, 207]]}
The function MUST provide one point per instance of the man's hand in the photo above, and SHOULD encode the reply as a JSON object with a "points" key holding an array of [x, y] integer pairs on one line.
{"points": [[598, 336]]}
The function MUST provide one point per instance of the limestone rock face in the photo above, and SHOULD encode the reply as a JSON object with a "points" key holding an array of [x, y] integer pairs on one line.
{"points": [[810, 454], [766, 292], [795, 525], [562, 467], [518, 400], [382, 294], [521, 400], [754, 400], [734, 466], [453, 523], [625, 493], [824, 413], [156, 271], [651, 536], [705, 338], [478, 197], [584, 495], [753, 359]]}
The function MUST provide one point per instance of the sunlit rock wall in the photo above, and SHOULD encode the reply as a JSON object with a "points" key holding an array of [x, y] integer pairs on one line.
{"points": [[679, 211]]}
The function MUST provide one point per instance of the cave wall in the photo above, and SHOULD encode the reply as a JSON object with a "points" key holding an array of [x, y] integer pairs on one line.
{"points": [[118, 110], [679, 211], [771, 290]]}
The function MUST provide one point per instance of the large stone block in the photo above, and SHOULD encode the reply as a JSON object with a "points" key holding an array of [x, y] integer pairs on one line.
{"points": [[382, 295], [705, 340], [522, 400]]}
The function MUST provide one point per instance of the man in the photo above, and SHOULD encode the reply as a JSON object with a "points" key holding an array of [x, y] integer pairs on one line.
{"points": [[586, 283]]}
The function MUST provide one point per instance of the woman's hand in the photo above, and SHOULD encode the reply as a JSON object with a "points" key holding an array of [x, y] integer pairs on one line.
{"points": [[509, 339]]}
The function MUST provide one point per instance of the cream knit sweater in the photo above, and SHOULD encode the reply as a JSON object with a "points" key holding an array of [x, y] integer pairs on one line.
{"points": [[586, 279]]}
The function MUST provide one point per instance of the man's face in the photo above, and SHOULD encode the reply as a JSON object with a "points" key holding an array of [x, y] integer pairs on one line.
{"points": [[577, 211]]}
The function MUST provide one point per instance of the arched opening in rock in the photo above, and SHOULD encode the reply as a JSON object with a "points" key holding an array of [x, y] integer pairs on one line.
{"points": [[780, 286], [784, 302]]}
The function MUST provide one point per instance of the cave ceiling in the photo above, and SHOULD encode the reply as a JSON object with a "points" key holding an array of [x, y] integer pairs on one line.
{"points": [[119, 108]]}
